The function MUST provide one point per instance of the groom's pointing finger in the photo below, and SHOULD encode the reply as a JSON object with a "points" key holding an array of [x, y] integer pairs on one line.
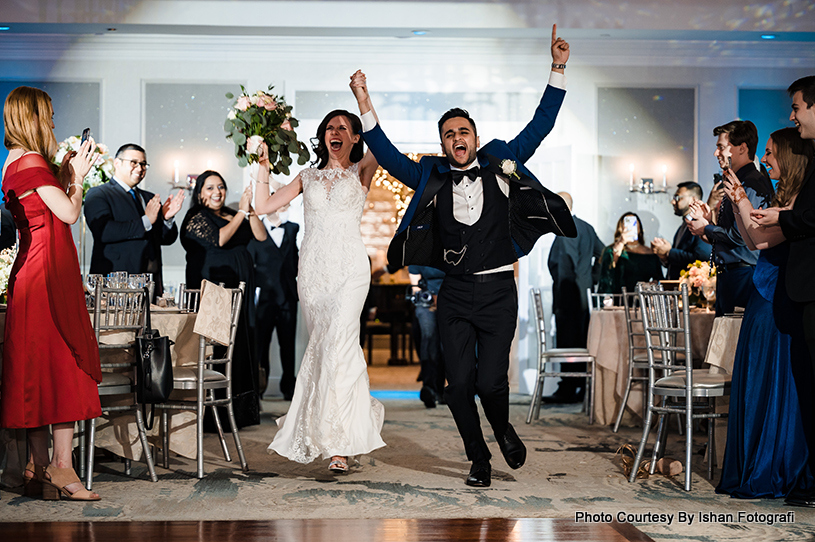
{"points": [[554, 33]]}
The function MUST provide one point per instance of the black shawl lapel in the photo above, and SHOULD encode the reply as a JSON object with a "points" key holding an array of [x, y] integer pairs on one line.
{"points": [[437, 180]]}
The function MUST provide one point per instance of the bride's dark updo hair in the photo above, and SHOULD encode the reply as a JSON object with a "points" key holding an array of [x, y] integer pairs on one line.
{"points": [[318, 143]]}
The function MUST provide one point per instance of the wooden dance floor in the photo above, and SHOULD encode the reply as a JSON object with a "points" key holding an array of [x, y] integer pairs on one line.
{"points": [[326, 530]]}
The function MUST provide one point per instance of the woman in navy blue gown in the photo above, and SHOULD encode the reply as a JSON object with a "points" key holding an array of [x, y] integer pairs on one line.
{"points": [[766, 453]]}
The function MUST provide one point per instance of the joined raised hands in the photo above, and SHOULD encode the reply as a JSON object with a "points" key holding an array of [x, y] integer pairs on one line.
{"points": [[560, 48], [359, 86]]}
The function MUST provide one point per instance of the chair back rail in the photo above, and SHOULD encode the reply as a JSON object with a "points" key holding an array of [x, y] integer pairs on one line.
{"points": [[189, 299], [562, 355], [666, 319], [207, 379], [120, 311]]}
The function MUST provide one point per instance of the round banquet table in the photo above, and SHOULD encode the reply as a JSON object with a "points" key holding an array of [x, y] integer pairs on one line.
{"points": [[608, 343]]}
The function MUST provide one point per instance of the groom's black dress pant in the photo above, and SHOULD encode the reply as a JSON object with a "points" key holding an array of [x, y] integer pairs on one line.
{"points": [[477, 322]]}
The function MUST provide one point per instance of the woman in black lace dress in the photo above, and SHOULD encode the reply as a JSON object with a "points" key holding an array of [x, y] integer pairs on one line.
{"points": [[215, 238]]}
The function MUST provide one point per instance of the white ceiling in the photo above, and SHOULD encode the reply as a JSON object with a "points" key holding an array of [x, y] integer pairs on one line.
{"points": [[678, 20]]}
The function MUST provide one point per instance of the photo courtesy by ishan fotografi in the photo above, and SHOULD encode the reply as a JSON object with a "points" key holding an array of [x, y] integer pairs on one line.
{"points": [[682, 517]]}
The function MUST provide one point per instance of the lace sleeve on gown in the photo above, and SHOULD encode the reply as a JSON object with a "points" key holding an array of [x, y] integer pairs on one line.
{"points": [[202, 230]]}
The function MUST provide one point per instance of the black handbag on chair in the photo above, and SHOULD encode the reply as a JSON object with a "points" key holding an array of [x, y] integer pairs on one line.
{"points": [[154, 367]]}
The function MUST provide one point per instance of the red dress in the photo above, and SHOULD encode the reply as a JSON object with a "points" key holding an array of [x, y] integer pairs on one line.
{"points": [[50, 355]]}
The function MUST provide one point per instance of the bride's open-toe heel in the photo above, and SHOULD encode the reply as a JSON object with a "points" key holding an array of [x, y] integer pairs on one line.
{"points": [[56, 481], [32, 485], [338, 464]]}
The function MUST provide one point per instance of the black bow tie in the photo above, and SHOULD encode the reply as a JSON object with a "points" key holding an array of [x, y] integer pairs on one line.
{"points": [[472, 173]]}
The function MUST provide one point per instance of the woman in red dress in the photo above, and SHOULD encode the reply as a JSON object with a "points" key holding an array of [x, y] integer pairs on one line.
{"points": [[50, 356]]}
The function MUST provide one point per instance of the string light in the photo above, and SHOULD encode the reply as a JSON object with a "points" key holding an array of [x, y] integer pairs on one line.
{"points": [[401, 193]]}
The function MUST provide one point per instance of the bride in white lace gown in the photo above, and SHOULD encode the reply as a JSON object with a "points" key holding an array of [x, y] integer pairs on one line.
{"points": [[332, 414]]}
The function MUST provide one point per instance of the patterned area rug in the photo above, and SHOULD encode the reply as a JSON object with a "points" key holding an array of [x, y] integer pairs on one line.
{"points": [[572, 471]]}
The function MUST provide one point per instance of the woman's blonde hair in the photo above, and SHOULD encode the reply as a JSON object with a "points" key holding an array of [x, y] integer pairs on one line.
{"points": [[793, 154], [27, 117]]}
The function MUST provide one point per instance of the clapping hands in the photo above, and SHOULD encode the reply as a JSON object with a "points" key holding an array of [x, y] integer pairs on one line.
{"points": [[152, 208], [172, 205], [76, 165], [245, 203], [660, 247], [700, 216]]}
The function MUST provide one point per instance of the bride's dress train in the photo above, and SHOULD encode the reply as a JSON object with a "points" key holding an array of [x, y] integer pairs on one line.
{"points": [[332, 411]]}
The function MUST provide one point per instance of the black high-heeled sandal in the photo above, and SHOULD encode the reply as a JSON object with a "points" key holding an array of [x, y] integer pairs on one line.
{"points": [[32, 485]]}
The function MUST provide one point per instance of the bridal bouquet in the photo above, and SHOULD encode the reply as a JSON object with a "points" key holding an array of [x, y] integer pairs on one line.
{"points": [[262, 116], [701, 280], [7, 257], [102, 170]]}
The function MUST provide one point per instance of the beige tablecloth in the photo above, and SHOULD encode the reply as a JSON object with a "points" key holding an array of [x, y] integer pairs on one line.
{"points": [[608, 343], [118, 433], [721, 354]]}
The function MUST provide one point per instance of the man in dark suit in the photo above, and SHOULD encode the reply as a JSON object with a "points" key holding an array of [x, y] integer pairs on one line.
{"points": [[276, 260], [129, 225], [474, 213], [686, 247], [798, 226], [574, 264], [735, 148]]}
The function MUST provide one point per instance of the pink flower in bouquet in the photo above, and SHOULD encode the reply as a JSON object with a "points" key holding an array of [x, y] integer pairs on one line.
{"points": [[286, 125], [253, 144], [267, 102], [243, 103]]}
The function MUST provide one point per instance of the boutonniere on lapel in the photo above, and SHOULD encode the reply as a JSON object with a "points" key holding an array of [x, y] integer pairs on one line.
{"points": [[509, 168]]}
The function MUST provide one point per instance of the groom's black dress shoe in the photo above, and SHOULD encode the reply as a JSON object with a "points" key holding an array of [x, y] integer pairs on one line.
{"points": [[513, 449], [428, 397], [479, 474], [801, 498]]}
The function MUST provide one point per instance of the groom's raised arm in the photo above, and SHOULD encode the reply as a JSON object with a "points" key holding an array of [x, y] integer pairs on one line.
{"points": [[397, 164], [527, 142]]}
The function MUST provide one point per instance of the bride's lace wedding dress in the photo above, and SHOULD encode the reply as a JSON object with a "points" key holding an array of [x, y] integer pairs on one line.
{"points": [[332, 411]]}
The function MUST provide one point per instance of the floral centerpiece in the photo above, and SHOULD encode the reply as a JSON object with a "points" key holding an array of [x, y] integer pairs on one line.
{"points": [[262, 116], [701, 280], [102, 170], [7, 257]]}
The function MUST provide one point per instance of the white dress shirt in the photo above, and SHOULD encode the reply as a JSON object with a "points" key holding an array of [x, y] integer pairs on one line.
{"points": [[146, 221], [275, 231]]}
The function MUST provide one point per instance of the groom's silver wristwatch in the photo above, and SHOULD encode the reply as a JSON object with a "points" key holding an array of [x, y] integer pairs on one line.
{"points": [[558, 66]]}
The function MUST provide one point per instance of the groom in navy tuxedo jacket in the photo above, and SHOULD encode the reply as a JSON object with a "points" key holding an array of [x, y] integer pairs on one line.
{"points": [[474, 213]]}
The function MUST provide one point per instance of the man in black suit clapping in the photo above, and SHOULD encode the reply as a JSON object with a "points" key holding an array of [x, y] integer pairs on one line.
{"points": [[129, 225]]}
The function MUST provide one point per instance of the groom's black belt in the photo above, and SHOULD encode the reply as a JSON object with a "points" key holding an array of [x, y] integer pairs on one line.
{"points": [[484, 277]]}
